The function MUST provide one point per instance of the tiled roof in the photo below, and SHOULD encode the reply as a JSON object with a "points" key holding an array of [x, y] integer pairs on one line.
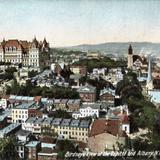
{"points": [[11, 43], [106, 126]]}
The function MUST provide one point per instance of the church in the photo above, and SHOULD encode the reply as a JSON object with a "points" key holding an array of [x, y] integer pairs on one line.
{"points": [[23, 52], [141, 66], [136, 62]]}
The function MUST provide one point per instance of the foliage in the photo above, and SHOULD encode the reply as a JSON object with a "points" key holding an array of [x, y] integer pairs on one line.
{"points": [[32, 73], [5, 63], [65, 73], [60, 114], [9, 73], [66, 52], [100, 63], [65, 146], [7, 148], [129, 87], [144, 113], [31, 90]]}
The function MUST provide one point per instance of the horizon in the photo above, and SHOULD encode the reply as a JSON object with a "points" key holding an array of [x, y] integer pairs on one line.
{"points": [[68, 23]]}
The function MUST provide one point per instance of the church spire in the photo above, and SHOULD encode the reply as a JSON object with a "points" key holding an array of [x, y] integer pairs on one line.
{"points": [[149, 78], [130, 57], [130, 50]]}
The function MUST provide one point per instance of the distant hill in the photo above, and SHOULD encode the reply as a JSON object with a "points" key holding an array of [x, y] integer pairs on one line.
{"points": [[120, 48]]}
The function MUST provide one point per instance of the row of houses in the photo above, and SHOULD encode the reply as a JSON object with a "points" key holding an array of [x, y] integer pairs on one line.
{"points": [[63, 128]]}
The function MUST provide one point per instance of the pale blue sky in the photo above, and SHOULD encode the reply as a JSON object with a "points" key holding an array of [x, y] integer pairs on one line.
{"points": [[72, 22]]}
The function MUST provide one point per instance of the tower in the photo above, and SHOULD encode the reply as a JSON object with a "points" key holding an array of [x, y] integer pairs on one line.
{"points": [[149, 84], [130, 57]]}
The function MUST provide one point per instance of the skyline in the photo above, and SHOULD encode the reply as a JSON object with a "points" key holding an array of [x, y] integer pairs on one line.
{"points": [[70, 22]]}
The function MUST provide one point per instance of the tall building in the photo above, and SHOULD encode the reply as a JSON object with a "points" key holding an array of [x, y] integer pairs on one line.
{"points": [[24, 52], [136, 62], [149, 84], [130, 57]]}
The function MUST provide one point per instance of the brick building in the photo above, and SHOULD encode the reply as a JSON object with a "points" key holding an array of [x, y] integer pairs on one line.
{"points": [[87, 93]]}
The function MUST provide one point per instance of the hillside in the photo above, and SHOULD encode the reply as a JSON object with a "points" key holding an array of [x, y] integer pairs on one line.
{"points": [[120, 48]]}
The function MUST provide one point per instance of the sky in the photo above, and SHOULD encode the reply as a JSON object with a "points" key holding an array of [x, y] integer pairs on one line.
{"points": [[74, 22]]}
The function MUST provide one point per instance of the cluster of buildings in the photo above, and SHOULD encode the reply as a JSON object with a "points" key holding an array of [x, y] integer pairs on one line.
{"points": [[148, 73], [27, 117], [97, 119]]}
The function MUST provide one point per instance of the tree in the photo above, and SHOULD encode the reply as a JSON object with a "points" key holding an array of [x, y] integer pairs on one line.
{"points": [[60, 114], [65, 146], [32, 73], [9, 73], [7, 148]]}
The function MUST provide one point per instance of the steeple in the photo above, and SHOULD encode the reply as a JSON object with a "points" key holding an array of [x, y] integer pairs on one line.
{"points": [[44, 41], [35, 42], [149, 84], [130, 57], [130, 50]]}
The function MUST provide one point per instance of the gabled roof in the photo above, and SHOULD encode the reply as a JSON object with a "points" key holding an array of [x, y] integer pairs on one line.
{"points": [[106, 126], [143, 60], [87, 89], [13, 42]]}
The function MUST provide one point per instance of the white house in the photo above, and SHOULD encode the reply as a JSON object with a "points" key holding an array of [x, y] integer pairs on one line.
{"points": [[87, 110], [3, 103], [20, 112], [101, 71], [29, 124]]}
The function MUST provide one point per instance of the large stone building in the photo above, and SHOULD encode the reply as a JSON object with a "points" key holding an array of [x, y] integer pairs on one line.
{"points": [[33, 53]]}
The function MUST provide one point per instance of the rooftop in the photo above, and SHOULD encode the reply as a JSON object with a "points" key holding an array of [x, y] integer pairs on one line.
{"points": [[84, 123], [38, 121], [57, 121], [4, 115], [32, 143], [8, 129], [106, 126], [65, 122], [25, 105], [87, 89], [155, 95], [47, 121], [23, 133], [107, 90], [75, 123], [47, 145], [31, 120]]}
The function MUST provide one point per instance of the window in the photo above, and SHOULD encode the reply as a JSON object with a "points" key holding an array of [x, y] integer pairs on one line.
{"points": [[10, 49], [14, 48]]}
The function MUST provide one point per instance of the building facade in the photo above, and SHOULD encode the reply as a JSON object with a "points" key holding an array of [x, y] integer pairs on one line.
{"points": [[63, 128], [87, 93], [20, 112], [24, 52]]}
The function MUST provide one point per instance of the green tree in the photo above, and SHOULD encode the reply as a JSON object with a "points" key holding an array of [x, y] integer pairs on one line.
{"points": [[7, 148]]}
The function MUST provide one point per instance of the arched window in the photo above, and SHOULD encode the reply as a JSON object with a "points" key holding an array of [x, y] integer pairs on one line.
{"points": [[14, 48], [10, 49], [6, 49]]}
